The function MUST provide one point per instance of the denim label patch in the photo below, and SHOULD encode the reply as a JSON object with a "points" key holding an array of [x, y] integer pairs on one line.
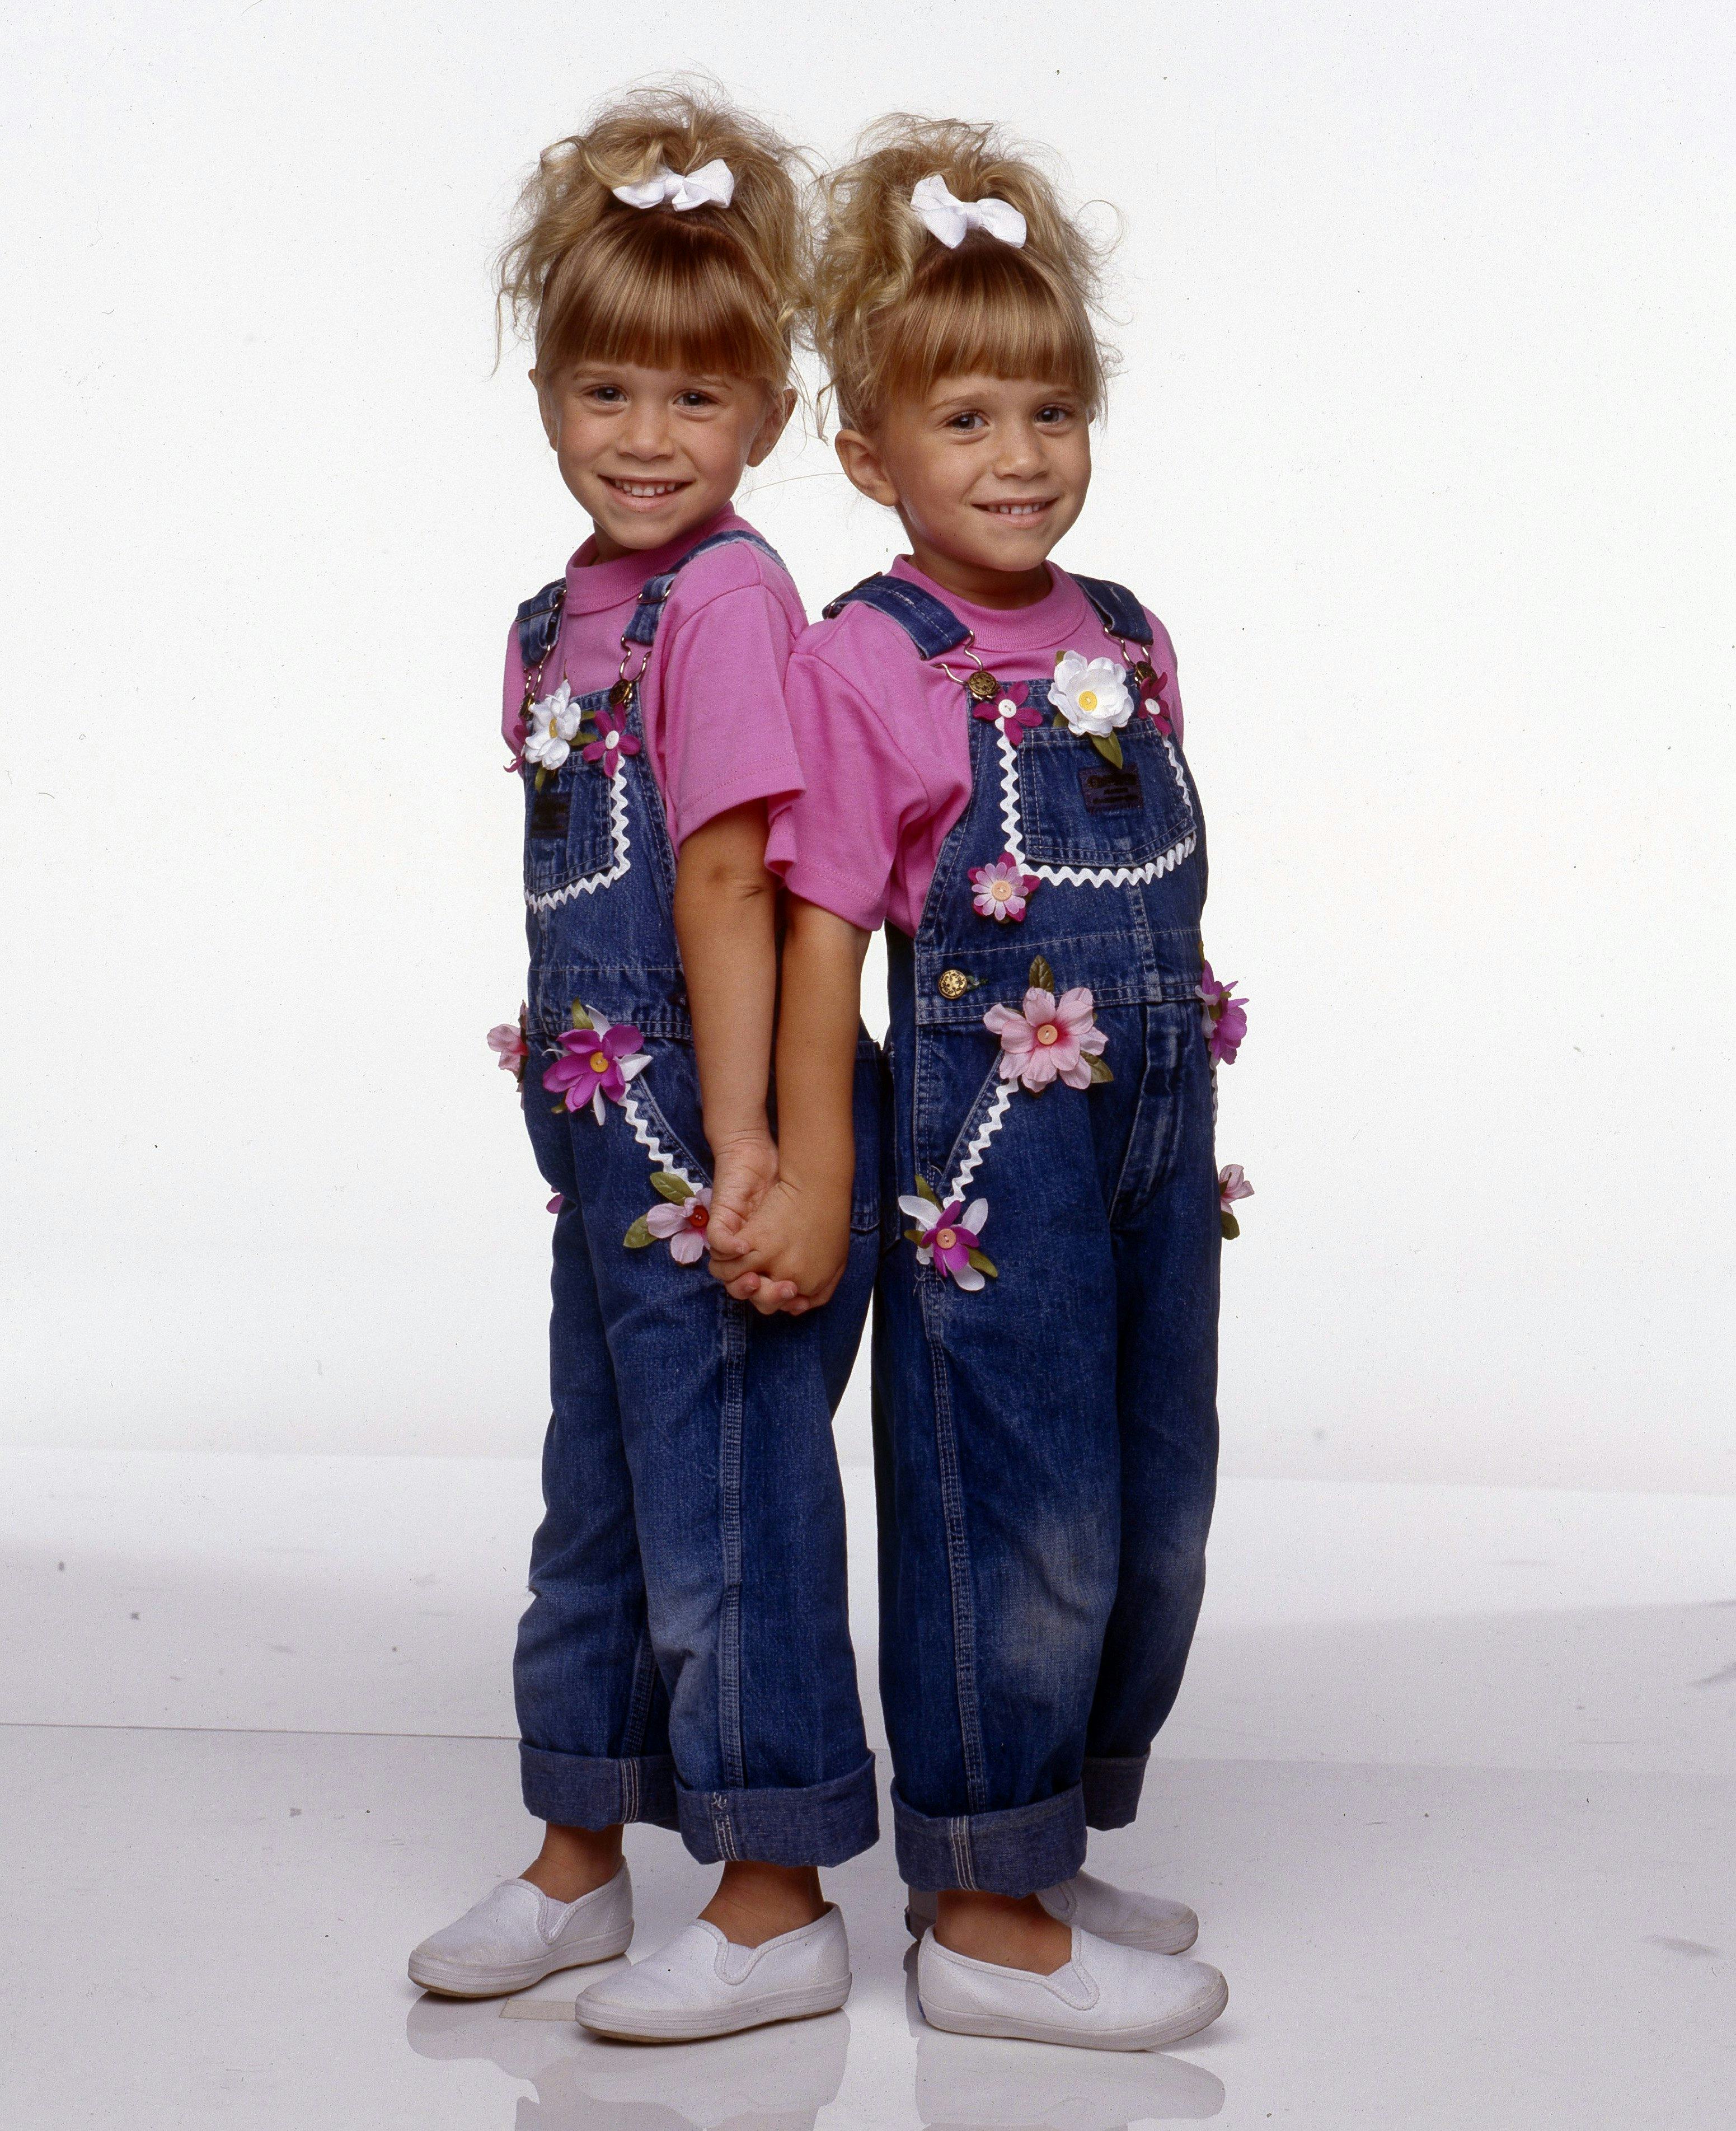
{"points": [[548, 814], [1108, 790]]}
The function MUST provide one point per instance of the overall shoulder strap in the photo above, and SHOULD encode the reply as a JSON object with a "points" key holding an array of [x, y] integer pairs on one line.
{"points": [[1120, 614], [932, 627], [642, 629], [539, 624]]}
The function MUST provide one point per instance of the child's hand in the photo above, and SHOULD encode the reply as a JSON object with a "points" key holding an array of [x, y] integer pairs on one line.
{"points": [[743, 1171], [794, 1249]]}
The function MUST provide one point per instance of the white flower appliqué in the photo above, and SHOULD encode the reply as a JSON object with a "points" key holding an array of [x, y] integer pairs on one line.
{"points": [[554, 725], [1091, 694]]}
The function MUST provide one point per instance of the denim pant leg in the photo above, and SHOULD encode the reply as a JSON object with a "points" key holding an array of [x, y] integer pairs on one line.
{"points": [[725, 1419], [1167, 1247], [593, 1716], [997, 1449]]}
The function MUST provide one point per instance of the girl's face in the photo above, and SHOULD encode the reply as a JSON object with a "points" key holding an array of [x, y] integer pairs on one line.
{"points": [[652, 453], [987, 474]]}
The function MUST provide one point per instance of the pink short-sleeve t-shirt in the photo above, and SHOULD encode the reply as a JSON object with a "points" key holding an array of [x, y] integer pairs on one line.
{"points": [[885, 741], [717, 732]]}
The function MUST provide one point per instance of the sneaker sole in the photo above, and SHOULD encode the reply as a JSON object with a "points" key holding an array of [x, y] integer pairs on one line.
{"points": [[627, 2025], [1160, 1942], [452, 1979], [1158, 2035]]}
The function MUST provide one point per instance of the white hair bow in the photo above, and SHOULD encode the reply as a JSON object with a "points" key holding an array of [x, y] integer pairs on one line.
{"points": [[948, 218], [712, 184]]}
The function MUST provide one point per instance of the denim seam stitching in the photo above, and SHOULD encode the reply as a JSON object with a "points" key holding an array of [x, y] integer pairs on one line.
{"points": [[728, 1477], [957, 1569], [958, 1836]]}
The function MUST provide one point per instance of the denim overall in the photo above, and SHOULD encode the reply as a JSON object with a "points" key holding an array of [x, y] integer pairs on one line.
{"points": [[686, 1658], [1046, 1445]]}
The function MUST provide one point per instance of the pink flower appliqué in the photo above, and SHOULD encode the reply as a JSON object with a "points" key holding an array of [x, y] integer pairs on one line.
{"points": [[1232, 1185], [1226, 1016], [612, 742], [1152, 703], [1015, 719], [950, 1236], [1048, 1038], [1001, 891], [683, 1227], [556, 1203], [508, 1041], [596, 1062]]}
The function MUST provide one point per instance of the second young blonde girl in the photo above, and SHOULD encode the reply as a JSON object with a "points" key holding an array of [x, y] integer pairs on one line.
{"points": [[993, 770]]}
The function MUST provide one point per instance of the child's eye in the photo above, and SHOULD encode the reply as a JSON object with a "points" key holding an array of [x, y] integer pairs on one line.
{"points": [[1051, 416], [691, 400], [967, 423], [607, 395]]}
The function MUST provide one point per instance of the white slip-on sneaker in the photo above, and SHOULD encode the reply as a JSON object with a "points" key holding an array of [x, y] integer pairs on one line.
{"points": [[1106, 1997], [1146, 1920], [517, 1935], [703, 1983]]}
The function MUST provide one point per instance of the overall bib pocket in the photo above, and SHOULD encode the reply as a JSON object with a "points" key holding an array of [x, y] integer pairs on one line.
{"points": [[1075, 808]]}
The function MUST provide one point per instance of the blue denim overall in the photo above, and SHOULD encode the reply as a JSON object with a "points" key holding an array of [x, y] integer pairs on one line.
{"points": [[686, 1658], [1046, 1445]]}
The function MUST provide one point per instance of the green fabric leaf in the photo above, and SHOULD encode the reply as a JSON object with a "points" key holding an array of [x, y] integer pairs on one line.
{"points": [[580, 1019], [541, 776], [914, 1236], [1108, 746], [1042, 977], [676, 1190], [1228, 1223], [638, 1235], [923, 1191], [984, 1263], [1099, 1069]]}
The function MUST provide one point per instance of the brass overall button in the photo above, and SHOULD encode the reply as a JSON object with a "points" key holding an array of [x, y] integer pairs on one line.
{"points": [[953, 983], [982, 687]]}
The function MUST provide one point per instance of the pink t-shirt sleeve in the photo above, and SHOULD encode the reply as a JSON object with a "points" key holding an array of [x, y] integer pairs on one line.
{"points": [[512, 694], [725, 736], [1163, 657], [838, 844]]}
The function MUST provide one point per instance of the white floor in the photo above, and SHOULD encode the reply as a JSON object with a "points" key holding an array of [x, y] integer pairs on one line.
{"points": [[1452, 1783]]}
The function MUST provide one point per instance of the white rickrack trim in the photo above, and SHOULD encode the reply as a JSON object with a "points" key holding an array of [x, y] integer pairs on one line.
{"points": [[661, 1157], [1084, 876], [591, 882], [979, 1140]]}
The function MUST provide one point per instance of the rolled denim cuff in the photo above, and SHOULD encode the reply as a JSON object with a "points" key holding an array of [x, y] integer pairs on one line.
{"points": [[812, 1824], [587, 1790], [1014, 1851], [1111, 1784]]}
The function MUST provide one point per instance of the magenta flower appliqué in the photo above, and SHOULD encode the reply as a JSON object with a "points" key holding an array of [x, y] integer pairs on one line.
{"points": [[612, 742], [1015, 719], [1152, 703], [1226, 1016], [596, 1062], [510, 1044], [556, 1203], [1048, 1039], [1002, 890], [1233, 1184], [683, 1227], [951, 1238]]}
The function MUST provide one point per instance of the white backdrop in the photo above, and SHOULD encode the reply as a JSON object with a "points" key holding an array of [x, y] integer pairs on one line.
{"points": [[1423, 449]]}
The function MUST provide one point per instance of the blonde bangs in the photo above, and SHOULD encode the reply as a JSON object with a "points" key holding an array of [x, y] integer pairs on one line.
{"points": [[665, 292], [983, 310]]}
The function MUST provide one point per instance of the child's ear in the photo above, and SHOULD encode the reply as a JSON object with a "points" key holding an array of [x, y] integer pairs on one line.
{"points": [[550, 428], [862, 462], [779, 408]]}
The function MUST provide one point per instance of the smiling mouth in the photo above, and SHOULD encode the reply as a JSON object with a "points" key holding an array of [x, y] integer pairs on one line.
{"points": [[643, 491], [1021, 512]]}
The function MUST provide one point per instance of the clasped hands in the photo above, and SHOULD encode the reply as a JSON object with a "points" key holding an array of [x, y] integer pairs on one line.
{"points": [[777, 1240]]}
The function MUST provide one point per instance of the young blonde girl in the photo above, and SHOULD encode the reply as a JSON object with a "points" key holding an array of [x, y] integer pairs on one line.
{"points": [[991, 753], [686, 1658]]}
